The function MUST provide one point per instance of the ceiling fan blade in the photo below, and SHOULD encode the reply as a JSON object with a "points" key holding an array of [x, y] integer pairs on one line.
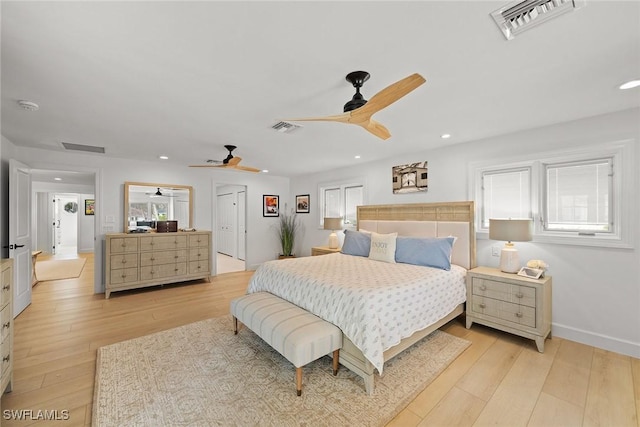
{"points": [[246, 168], [342, 118], [377, 129], [387, 96], [204, 166], [233, 161]]}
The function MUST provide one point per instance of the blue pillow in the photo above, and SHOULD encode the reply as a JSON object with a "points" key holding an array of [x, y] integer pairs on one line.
{"points": [[356, 243], [429, 252]]}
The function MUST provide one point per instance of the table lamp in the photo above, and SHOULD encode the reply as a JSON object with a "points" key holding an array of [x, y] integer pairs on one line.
{"points": [[511, 230], [333, 224]]}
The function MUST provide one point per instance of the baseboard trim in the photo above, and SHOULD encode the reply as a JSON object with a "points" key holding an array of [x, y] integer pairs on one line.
{"points": [[604, 342]]}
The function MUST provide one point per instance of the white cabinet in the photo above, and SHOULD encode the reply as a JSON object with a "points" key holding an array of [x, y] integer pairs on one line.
{"points": [[509, 302], [136, 261]]}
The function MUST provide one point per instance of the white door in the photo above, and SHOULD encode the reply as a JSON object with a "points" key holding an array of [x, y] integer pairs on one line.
{"points": [[226, 227], [20, 233], [242, 230]]}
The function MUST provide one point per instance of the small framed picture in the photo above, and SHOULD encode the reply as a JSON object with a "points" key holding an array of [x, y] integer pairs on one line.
{"points": [[531, 273], [302, 203], [89, 207], [270, 205]]}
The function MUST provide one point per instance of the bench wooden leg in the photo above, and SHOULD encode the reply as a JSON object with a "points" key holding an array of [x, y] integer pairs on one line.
{"points": [[336, 360], [299, 381], [235, 325]]}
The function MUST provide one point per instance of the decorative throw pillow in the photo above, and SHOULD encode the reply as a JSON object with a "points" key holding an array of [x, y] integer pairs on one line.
{"points": [[429, 252], [356, 243], [383, 247]]}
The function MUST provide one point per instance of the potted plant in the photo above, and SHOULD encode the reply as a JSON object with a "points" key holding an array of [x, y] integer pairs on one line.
{"points": [[287, 227]]}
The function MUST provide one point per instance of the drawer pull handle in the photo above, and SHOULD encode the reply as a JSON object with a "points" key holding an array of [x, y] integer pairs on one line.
{"points": [[152, 272], [5, 287], [175, 269], [483, 288], [124, 261], [519, 295], [6, 358], [175, 256], [124, 275], [6, 325], [482, 305], [518, 315], [153, 259]]}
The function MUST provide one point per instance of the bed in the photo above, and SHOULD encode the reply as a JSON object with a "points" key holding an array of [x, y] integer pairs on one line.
{"points": [[382, 308]]}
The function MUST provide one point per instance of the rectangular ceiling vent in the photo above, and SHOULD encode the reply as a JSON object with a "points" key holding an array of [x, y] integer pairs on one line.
{"points": [[517, 17], [80, 147], [285, 127]]}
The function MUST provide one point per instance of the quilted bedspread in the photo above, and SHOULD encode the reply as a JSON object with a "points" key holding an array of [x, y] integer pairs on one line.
{"points": [[375, 304]]}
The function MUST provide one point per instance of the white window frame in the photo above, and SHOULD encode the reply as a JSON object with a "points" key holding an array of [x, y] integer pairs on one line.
{"points": [[623, 197], [342, 185]]}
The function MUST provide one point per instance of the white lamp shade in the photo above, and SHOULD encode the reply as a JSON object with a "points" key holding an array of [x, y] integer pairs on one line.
{"points": [[332, 223], [510, 230]]}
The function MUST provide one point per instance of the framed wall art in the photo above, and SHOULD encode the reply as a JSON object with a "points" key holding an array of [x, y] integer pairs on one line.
{"points": [[302, 203], [89, 207], [410, 178], [270, 205]]}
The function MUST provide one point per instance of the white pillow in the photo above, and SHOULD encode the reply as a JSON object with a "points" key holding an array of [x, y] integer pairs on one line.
{"points": [[383, 247]]}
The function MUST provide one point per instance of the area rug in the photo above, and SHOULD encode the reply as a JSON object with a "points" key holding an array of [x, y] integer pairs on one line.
{"points": [[202, 374], [56, 269]]}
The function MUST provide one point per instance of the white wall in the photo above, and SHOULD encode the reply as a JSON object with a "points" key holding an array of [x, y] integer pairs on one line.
{"points": [[111, 173], [596, 291]]}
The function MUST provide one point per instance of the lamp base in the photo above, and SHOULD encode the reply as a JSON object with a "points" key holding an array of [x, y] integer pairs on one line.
{"points": [[509, 259], [333, 240]]}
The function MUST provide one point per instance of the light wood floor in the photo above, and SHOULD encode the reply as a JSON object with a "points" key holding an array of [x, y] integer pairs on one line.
{"points": [[499, 380]]}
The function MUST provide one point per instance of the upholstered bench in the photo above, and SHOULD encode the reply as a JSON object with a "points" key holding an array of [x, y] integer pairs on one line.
{"points": [[299, 336]]}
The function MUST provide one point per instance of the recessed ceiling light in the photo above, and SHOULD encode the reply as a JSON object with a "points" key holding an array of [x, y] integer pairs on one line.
{"points": [[163, 157], [357, 157], [630, 84], [265, 170], [28, 105], [445, 136], [57, 179]]}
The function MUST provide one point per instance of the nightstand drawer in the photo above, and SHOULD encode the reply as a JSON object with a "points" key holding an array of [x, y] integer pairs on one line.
{"points": [[517, 294], [519, 314]]}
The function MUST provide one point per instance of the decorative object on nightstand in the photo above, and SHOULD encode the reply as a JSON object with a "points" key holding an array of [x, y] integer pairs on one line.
{"points": [[323, 250], [333, 224], [510, 303], [511, 230]]}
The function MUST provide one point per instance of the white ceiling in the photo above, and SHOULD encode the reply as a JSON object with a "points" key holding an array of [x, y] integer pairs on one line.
{"points": [[184, 78]]}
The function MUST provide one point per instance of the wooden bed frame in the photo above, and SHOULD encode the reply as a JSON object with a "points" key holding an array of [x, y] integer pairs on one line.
{"points": [[425, 220]]}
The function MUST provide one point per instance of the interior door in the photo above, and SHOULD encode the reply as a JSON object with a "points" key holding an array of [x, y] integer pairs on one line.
{"points": [[20, 233], [226, 227], [242, 230]]}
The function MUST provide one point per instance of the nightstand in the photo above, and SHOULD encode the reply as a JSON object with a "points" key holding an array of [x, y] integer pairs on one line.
{"points": [[509, 302], [323, 250]]}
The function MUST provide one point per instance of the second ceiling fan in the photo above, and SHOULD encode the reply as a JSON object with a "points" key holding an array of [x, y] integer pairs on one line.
{"points": [[230, 162], [358, 111]]}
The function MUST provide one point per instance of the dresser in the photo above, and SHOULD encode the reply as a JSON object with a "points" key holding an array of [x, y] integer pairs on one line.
{"points": [[149, 259], [510, 303], [323, 250], [6, 316]]}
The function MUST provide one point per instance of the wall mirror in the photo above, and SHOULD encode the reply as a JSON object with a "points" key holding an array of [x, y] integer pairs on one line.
{"points": [[146, 203]]}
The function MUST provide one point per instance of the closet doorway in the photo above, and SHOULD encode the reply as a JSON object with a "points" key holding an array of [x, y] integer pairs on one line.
{"points": [[230, 228]]}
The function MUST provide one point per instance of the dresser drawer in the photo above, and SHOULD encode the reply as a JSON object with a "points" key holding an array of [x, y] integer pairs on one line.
{"points": [[5, 352], [125, 275], [152, 272], [6, 319], [199, 254], [517, 294], [5, 286], [148, 243], [124, 244], [199, 240], [163, 257], [123, 261], [196, 267], [503, 310]]}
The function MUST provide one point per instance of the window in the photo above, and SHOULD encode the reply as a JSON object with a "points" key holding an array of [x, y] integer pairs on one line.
{"points": [[341, 200], [573, 198], [578, 196]]}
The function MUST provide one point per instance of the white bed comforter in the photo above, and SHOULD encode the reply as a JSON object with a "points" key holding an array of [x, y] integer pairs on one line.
{"points": [[375, 304]]}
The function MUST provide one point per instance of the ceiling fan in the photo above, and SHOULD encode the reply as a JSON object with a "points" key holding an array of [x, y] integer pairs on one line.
{"points": [[358, 111], [230, 162], [159, 193]]}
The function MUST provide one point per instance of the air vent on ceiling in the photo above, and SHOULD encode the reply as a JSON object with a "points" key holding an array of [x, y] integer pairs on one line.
{"points": [[80, 147], [285, 127], [517, 17]]}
